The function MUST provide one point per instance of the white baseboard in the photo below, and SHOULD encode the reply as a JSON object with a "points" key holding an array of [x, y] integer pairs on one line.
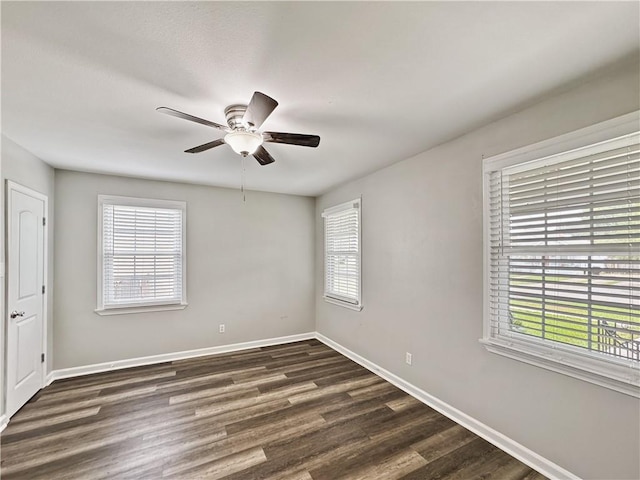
{"points": [[48, 379], [513, 448], [168, 357], [3, 422]]}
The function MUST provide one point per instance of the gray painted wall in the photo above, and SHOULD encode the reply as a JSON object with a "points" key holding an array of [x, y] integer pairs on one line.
{"points": [[422, 291], [21, 166], [249, 265]]}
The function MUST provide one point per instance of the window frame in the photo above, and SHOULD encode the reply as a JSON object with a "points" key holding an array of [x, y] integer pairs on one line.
{"points": [[617, 374], [347, 302], [141, 307]]}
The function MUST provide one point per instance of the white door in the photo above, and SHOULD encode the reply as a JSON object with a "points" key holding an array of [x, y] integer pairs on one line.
{"points": [[25, 280]]}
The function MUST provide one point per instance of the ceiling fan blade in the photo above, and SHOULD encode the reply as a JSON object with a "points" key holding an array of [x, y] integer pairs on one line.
{"points": [[206, 146], [263, 156], [186, 116], [259, 108], [292, 139]]}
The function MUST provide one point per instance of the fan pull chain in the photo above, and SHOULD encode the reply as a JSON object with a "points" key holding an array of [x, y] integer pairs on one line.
{"points": [[244, 197]]}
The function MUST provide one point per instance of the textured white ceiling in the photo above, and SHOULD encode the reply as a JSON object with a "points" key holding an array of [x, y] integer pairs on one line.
{"points": [[379, 82]]}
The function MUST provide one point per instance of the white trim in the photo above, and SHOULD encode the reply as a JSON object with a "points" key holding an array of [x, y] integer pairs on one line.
{"points": [[599, 132], [138, 202], [26, 190], [619, 378], [3, 333], [513, 448], [16, 187], [150, 308], [142, 202], [355, 203], [342, 303], [168, 357], [351, 303], [50, 378], [614, 142], [342, 207], [617, 375]]}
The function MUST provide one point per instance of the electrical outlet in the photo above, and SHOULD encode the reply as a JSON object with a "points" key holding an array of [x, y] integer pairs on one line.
{"points": [[221, 328], [408, 358]]}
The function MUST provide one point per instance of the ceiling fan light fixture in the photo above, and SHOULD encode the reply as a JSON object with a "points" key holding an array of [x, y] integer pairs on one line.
{"points": [[243, 143]]}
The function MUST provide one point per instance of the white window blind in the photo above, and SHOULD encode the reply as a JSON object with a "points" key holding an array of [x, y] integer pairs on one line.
{"points": [[564, 254], [342, 253], [142, 252]]}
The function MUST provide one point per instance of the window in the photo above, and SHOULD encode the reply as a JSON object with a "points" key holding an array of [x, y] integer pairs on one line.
{"points": [[342, 284], [141, 264], [562, 248]]}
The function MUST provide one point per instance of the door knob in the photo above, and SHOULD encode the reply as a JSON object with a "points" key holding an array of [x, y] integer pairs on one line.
{"points": [[15, 314]]}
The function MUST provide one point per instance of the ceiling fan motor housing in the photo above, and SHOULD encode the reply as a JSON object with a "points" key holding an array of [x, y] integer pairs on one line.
{"points": [[234, 115]]}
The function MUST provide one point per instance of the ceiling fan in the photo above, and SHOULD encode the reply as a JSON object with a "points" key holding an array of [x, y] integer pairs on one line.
{"points": [[243, 134]]}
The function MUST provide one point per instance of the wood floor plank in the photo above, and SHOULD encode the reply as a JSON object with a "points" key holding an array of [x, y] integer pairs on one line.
{"points": [[298, 411], [222, 467], [344, 386], [41, 422], [448, 465], [379, 450], [406, 420], [220, 389], [72, 466], [291, 411], [483, 467], [75, 438], [126, 374], [222, 407], [249, 439], [405, 401], [183, 427], [299, 475], [444, 442], [511, 470], [358, 408], [290, 466], [104, 386], [311, 443], [288, 454], [372, 391], [391, 468]]}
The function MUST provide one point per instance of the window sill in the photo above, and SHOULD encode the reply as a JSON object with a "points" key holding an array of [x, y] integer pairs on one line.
{"points": [[623, 377], [143, 309], [341, 303]]}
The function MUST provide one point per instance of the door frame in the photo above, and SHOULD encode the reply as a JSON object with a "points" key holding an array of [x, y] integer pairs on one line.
{"points": [[12, 186]]}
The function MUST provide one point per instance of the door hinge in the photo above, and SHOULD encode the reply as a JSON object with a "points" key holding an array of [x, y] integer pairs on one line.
{"points": [[43, 289], [44, 222], [42, 358]]}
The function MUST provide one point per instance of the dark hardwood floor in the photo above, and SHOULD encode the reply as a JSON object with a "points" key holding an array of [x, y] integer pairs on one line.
{"points": [[291, 412]]}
